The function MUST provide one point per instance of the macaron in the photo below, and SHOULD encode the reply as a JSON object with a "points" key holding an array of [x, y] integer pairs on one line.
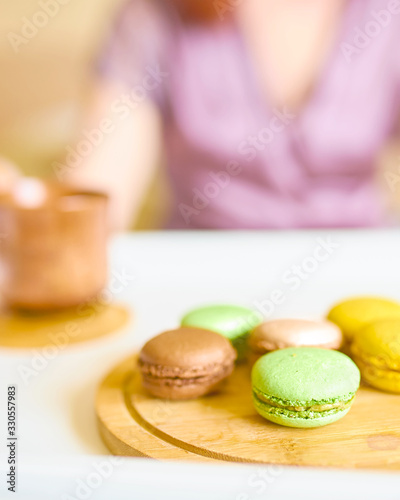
{"points": [[376, 350], [233, 322], [185, 363], [304, 386], [353, 314], [283, 333]]}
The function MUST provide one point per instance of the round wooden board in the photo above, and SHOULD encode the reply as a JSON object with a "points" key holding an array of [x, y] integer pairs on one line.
{"points": [[225, 426], [29, 330]]}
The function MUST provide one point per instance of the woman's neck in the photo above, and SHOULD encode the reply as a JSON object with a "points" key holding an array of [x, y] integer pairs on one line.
{"points": [[289, 42], [198, 11]]}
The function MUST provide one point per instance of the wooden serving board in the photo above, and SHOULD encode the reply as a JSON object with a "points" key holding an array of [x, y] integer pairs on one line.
{"points": [[225, 426]]}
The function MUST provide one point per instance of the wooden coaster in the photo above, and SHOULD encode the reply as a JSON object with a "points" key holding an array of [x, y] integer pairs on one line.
{"points": [[29, 330], [225, 426]]}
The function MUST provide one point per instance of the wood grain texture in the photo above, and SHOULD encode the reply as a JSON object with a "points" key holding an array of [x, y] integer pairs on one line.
{"points": [[30, 330], [225, 427]]}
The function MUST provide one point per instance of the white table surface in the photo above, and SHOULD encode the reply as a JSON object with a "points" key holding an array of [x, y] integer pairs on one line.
{"points": [[171, 273]]}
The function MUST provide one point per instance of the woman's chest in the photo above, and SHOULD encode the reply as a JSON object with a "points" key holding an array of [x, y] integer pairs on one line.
{"points": [[217, 101]]}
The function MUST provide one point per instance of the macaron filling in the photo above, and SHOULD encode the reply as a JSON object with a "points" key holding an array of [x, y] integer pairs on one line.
{"points": [[371, 370], [159, 375], [378, 361], [301, 409]]}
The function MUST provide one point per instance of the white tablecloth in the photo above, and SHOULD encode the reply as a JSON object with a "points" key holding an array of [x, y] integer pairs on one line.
{"points": [[160, 276]]}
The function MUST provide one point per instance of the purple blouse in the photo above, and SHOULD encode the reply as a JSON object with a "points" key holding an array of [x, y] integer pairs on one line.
{"points": [[236, 162]]}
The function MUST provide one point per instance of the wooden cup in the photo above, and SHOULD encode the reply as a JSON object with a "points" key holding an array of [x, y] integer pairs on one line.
{"points": [[53, 246]]}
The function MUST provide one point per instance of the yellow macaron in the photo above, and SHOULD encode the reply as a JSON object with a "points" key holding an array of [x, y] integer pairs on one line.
{"points": [[376, 350], [353, 314]]}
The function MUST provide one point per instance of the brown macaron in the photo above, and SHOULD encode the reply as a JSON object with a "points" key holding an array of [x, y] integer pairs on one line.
{"points": [[283, 333], [185, 363]]}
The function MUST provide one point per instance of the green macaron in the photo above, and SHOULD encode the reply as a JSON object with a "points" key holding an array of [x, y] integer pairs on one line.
{"points": [[304, 386], [233, 322]]}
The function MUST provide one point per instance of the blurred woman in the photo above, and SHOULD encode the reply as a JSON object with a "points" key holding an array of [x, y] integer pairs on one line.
{"points": [[270, 114]]}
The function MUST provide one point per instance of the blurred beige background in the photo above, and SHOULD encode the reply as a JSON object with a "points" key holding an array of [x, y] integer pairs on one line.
{"points": [[43, 87]]}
